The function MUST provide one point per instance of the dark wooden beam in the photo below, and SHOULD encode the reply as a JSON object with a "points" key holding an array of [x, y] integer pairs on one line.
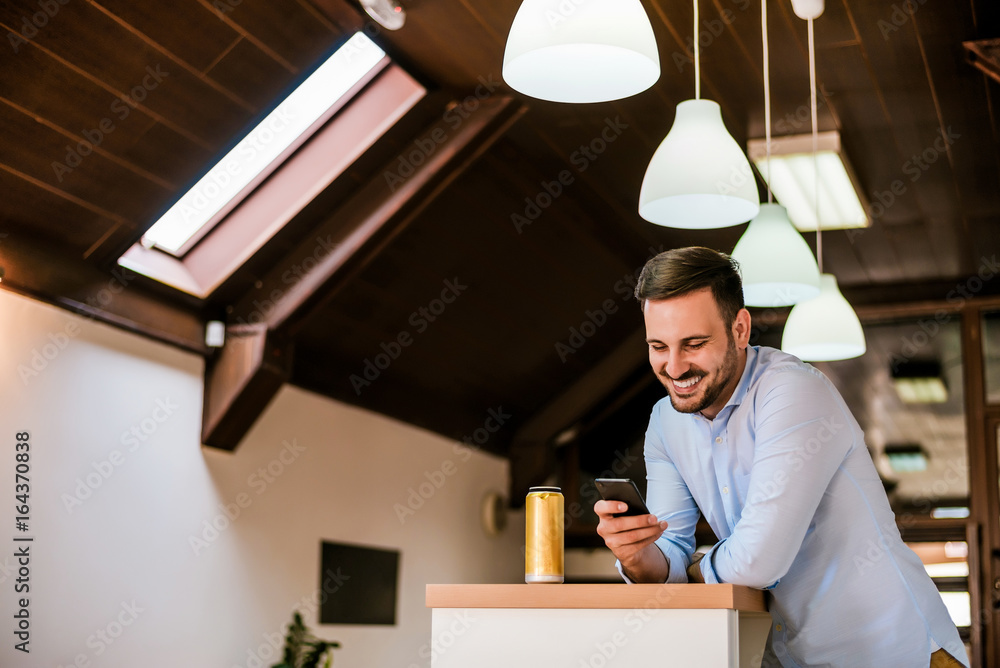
{"points": [[240, 384], [250, 369], [985, 55], [384, 207], [118, 297]]}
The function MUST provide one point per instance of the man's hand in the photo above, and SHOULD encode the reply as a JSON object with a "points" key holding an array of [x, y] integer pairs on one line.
{"points": [[631, 540], [694, 570]]}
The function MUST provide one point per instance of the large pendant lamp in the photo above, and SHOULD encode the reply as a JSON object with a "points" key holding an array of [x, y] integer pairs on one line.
{"points": [[824, 328], [591, 51], [776, 263], [699, 177]]}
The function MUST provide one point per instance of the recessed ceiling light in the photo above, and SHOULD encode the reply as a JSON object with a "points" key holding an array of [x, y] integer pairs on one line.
{"points": [[950, 513], [906, 458], [919, 383], [791, 175]]}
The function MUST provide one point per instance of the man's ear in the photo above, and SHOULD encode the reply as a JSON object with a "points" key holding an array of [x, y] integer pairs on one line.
{"points": [[741, 328]]}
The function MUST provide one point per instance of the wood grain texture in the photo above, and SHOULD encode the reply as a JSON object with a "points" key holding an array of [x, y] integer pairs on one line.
{"points": [[693, 596]]}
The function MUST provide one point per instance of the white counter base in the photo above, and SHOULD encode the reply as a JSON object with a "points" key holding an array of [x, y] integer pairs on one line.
{"points": [[597, 638]]}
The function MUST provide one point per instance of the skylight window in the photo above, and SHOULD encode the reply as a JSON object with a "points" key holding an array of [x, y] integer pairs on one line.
{"points": [[264, 148]]}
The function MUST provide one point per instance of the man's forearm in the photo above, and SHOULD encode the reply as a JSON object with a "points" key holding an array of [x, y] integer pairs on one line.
{"points": [[647, 565]]}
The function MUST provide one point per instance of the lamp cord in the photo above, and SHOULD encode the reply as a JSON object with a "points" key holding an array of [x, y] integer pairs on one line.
{"points": [[767, 99], [815, 141], [697, 56]]}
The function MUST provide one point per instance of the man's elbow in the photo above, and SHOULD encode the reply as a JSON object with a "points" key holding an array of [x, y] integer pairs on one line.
{"points": [[756, 575]]}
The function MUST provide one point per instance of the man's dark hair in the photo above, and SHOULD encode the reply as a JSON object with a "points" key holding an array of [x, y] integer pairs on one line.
{"points": [[682, 270]]}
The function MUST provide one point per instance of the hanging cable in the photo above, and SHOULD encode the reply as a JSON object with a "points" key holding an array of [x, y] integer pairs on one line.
{"points": [[697, 55], [767, 99], [815, 141]]}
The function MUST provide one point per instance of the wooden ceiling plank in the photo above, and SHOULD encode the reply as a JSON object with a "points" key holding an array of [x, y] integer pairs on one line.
{"points": [[29, 210], [117, 94], [251, 73], [62, 194], [182, 27], [139, 171], [243, 32], [149, 76], [178, 60], [87, 176]]}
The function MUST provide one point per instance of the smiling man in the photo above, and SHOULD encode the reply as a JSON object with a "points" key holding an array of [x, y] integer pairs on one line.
{"points": [[764, 446]]}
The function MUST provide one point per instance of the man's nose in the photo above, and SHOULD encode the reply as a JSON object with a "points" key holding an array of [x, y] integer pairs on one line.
{"points": [[676, 365]]}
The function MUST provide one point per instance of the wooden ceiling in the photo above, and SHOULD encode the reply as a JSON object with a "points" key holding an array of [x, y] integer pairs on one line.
{"points": [[161, 89]]}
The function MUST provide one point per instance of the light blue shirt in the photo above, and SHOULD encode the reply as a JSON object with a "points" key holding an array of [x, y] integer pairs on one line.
{"points": [[783, 477]]}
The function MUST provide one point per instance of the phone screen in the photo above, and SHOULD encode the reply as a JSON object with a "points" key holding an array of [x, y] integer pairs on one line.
{"points": [[622, 489]]}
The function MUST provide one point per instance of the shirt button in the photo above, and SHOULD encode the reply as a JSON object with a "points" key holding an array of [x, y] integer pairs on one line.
{"points": [[718, 439], [725, 490], [777, 627]]}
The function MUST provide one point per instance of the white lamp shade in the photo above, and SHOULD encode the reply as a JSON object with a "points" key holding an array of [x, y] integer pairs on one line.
{"points": [[824, 328], [699, 178], [777, 265], [591, 51]]}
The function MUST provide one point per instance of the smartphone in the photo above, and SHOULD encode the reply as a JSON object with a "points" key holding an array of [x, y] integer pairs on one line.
{"points": [[622, 489]]}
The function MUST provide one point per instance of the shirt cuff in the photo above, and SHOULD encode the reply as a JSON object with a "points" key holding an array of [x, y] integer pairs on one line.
{"points": [[707, 565]]}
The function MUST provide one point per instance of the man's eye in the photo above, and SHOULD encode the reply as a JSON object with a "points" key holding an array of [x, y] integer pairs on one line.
{"points": [[658, 349], [695, 346]]}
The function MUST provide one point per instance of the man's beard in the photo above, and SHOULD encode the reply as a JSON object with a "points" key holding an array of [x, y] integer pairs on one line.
{"points": [[711, 393]]}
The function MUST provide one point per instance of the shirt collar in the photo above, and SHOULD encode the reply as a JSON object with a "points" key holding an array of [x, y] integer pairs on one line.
{"points": [[744, 385]]}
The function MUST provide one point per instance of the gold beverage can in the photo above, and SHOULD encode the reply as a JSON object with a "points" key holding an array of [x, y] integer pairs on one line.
{"points": [[543, 540]]}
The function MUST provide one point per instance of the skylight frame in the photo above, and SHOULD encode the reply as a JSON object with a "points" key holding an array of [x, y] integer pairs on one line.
{"points": [[358, 50]]}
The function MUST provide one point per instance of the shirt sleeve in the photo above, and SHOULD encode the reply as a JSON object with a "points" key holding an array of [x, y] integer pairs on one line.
{"points": [[669, 498], [802, 436]]}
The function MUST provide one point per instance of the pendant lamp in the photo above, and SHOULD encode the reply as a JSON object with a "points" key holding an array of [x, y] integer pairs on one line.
{"points": [[699, 177], [825, 328], [776, 263], [591, 51]]}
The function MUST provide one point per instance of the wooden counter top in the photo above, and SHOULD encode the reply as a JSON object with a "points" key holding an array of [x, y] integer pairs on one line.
{"points": [[689, 596]]}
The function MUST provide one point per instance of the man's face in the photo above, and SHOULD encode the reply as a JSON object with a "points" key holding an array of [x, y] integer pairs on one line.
{"points": [[696, 357]]}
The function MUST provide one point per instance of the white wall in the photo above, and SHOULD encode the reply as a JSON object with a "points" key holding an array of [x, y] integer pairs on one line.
{"points": [[122, 559]]}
